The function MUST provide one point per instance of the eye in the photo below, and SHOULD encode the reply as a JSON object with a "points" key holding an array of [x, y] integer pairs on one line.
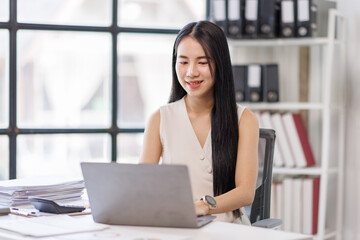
{"points": [[183, 62], [203, 63]]}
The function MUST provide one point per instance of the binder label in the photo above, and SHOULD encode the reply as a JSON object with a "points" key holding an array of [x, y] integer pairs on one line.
{"points": [[251, 10], [219, 10], [254, 76], [287, 11], [303, 10], [234, 10]]}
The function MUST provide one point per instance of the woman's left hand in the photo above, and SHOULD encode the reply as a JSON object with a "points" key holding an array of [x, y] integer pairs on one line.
{"points": [[201, 209]]}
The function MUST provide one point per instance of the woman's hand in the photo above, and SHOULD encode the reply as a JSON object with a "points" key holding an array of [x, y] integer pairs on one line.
{"points": [[201, 209]]}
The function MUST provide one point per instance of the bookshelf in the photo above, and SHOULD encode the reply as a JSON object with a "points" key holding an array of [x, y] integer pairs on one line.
{"points": [[326, 132]]}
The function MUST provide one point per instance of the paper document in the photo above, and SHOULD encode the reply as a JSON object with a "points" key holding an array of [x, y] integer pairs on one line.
{"points": [[115, 233], [17, 191], [49, 226]]}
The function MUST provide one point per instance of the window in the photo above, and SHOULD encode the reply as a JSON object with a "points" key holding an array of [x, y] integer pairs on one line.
{"points": [[159, 13], [4, 159], [82, 79], [4, 75], [63, 79], [59, 154], [4, 10], [65, 12]]}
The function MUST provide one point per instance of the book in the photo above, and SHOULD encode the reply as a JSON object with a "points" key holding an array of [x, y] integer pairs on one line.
{"points": [[281, 138], [294, 140], [267, 123], [310, 199], [304, 140], [277, 197], [315, 213], [288, 201], [307, 206], [262, 142], [297, 205]]}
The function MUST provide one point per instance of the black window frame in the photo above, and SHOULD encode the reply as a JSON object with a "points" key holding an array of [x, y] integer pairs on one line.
{"points": [[114, 130]]}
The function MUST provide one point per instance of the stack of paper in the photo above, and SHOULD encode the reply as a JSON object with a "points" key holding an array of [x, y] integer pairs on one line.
{"points": [[49, 226], [16, 192]]}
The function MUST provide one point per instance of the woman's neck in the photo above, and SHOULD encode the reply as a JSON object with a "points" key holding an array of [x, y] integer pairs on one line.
{"points": [[199, 105]]}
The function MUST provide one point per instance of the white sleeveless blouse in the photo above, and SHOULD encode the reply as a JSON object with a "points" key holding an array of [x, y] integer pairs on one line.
{"points": [[181, 146]]}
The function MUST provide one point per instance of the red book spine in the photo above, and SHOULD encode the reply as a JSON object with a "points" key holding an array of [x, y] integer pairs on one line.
{"points": [[300, 127], [316, 189]]}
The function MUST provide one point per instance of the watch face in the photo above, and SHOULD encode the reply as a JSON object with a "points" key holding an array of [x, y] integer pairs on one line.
{"points": [[210, 200]]}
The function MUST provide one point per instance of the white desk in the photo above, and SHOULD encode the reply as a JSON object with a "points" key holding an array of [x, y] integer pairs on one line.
{"points": [[212, 231]]}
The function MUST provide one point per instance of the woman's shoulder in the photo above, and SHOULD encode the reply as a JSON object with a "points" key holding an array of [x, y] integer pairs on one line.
{"points": [[172, 106], [240, 110], [245, 114], [163, 110]]}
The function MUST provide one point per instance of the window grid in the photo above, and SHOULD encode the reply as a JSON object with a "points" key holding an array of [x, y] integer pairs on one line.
{"points": [[13, 131]]}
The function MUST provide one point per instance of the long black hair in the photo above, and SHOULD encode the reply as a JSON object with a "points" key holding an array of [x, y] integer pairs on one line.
{"points": [[224, 118]]}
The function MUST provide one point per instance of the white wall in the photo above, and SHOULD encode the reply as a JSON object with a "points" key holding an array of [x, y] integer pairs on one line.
{"points": [[351, 217]]}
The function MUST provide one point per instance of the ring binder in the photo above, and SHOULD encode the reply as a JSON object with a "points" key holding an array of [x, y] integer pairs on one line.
{"points": [[287, 19], [239, 73], [254, 90], [218, 10], [303, 22], [235, 13], [251, 18], [267, 18]]}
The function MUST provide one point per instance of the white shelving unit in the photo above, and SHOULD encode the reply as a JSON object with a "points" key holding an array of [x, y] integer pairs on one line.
{"points": [[325, 168]]}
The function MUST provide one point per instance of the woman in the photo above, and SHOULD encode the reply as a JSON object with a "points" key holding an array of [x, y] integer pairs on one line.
{"points": [[203, 127]]}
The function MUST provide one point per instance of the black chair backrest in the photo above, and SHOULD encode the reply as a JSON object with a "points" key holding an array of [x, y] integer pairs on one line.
{"points": [[260, 208]]}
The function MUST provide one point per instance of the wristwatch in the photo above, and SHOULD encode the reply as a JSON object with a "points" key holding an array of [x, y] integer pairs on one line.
{"points": [[209, 201]]}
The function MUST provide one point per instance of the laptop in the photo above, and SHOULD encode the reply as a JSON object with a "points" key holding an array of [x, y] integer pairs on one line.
{"points": [[141, 195]]}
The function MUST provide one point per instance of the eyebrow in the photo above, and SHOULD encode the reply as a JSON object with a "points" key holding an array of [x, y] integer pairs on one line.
{"points": [[201, 57]]}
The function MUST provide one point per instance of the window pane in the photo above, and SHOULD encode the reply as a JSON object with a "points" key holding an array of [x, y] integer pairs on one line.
{"points": [[64, 79], [129, 147], [4, 159], [4, 10], [86, 12], [144, 76], [4, 78], [60, 155], [160, 13]]}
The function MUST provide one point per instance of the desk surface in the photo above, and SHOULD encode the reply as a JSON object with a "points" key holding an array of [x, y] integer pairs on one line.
{"points": [[212, 231]]}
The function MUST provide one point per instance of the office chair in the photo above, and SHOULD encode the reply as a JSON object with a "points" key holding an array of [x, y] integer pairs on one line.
{"points": [[259, 210]]}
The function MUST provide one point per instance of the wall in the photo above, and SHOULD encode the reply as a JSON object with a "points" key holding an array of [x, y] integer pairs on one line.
{"points": [[351, 217]]}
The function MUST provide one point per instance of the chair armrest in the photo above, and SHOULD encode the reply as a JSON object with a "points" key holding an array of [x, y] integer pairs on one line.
{"points": [[267, 223]]}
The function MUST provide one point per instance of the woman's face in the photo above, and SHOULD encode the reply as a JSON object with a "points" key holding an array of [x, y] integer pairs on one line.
{"points": [[193, 69]]}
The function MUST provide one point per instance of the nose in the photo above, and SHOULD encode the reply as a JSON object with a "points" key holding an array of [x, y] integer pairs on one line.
{"points": [[192, 71]]}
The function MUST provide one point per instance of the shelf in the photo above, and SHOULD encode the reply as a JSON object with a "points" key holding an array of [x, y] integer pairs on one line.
{"points": [[281, 42], [283, 106], [316, 171], [328, 235]]}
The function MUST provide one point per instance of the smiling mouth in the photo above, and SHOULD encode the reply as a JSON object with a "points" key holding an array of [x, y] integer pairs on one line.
{"points": [[193, 83]]}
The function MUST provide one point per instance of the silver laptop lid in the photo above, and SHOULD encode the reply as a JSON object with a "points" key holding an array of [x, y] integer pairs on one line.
{"points": [[140, 194]]}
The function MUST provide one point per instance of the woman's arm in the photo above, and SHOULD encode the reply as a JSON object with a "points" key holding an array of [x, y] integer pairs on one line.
{"points": [[246, 169], [152, 148]]}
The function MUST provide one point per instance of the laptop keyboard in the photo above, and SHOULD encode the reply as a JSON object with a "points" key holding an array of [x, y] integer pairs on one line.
{"points": [[204, 220]]}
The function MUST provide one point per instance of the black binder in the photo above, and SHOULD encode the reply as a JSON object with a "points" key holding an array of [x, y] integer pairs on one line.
{"points": [[267, 23], [251, 18], [303, 18], [270, 82], [218, 13], [235, 15], [254, 87], [287, 18], [239, 73]]}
